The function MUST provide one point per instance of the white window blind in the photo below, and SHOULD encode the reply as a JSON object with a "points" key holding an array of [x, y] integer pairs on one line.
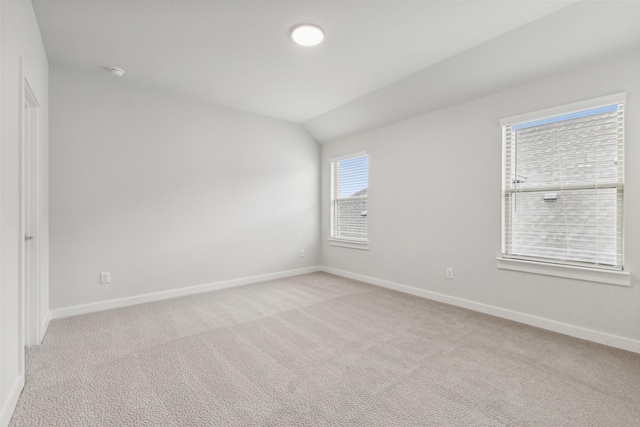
{"points": [[349, 184], [563, 186]]}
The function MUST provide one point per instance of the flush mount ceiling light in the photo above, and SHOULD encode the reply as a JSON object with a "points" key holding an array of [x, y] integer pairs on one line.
{"points": [[307, 35], [118, 72]]}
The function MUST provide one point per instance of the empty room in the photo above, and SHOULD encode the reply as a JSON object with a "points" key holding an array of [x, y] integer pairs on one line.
{"points": [[319, 213]]}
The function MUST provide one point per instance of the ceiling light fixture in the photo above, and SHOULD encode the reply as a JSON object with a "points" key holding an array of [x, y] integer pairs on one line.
{"points": [[307, 35], [118, 72]]}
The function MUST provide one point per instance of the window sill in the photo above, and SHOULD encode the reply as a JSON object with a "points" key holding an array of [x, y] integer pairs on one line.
{"points": [[353, 244], [611, 277]]}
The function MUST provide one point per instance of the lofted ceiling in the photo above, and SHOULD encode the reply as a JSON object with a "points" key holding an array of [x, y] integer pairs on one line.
{"points": [[583, 33], [238, 53]]}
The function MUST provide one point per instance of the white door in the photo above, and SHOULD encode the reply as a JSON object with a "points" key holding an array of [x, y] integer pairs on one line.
{"points": [[30, 253]]}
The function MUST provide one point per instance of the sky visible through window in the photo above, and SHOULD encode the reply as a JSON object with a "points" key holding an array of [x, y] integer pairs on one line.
{"points": [[576, 115], [353, 176]]}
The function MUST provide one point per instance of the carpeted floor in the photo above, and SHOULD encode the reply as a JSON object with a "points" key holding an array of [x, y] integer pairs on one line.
{"points": [[319, 350]]}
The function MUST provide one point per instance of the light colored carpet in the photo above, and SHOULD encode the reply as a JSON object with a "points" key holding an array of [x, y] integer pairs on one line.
{"points": [[319, 350]]}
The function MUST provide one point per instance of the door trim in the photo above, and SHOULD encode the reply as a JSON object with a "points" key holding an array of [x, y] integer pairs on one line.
{"points": [[30, 141]]}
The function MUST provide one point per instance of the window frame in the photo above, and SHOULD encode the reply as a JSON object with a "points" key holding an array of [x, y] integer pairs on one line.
{"points": [[576, 270], [362, 244]]}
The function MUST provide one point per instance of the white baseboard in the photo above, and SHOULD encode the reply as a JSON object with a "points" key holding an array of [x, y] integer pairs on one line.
{"points": [[551, 325], [12, 401], [156, 296], [44, 326]]}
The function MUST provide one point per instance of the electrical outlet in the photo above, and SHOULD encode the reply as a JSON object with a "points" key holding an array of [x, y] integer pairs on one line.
{"points": [[301, 253], [449, 273], [105, 277]]}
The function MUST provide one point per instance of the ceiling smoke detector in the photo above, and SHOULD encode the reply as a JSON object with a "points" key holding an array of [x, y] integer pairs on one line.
{"points": [[118, 72], [307, 35]]}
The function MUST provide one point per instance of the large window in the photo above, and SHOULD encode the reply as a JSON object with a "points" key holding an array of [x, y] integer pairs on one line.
{"points": [[349, 185], [563, 184]]}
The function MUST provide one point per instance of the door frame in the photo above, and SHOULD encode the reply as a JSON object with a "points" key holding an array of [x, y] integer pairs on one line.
{"points": [[30, 208]]}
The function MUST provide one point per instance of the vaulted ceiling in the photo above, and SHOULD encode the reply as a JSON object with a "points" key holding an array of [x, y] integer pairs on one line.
{"points": [[238, 54]]}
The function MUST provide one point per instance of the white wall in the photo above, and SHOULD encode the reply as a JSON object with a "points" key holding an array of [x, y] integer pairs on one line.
{"points": [[20, 39], [166, 192], [435, 202]]}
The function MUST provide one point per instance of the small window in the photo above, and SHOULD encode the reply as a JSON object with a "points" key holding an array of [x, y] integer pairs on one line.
{"points": [[563, 184], [349, 213]]}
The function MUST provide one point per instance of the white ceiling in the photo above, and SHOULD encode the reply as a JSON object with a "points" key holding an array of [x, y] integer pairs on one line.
{"points": [[584, 32], [238, 53]]}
